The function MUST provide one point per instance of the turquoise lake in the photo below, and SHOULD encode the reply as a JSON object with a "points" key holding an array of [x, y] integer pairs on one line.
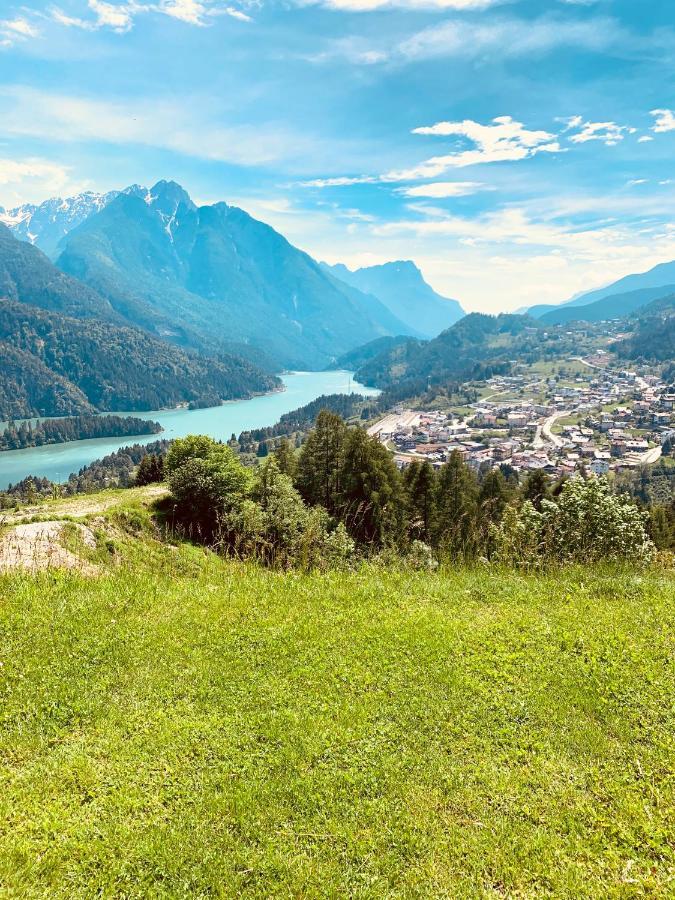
{"points": [[58, 461]]}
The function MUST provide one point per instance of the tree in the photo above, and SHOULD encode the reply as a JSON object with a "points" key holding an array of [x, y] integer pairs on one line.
{"points": [[371, 495], [536, 488], [320, 462], [263, 450], [150, 470], [207, 481], [421, 484], [586, 523], [286, 458], [457, 508]]}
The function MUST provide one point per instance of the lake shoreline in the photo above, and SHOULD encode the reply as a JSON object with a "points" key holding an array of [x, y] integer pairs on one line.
{"points": [[58, 461]]}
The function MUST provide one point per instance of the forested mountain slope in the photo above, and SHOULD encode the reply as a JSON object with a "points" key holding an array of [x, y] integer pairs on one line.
{"points": [[218, 274], [57, 365]]}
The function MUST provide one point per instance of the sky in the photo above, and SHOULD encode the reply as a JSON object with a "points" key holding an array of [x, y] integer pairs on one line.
{"points": [[519, 151]]}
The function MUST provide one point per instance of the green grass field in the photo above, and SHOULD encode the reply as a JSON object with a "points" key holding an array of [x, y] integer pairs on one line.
{"points": [[183, 726]]}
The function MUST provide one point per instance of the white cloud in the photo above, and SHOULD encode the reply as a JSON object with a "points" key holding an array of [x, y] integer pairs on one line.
{"points": [[608, 132], [340, 181], [636, 181], [508, 37], [440, 190], [33, 179], [109, 15], [369, 5], [16, 30], [665, 120], [503, 141], [155, 122], [645, 139], [120, 17]]}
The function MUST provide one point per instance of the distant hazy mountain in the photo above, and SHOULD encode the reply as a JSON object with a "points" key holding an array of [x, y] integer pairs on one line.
{"points": [[614, 306], [28, 276], [216, 274], [660, 276], [403, 290], [46, 224]]}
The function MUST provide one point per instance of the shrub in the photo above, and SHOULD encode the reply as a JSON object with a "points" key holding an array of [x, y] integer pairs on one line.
{"points": [[586, 523]]}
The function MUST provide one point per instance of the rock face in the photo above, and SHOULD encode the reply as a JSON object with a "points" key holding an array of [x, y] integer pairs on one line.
{"points": [[210, 274]]}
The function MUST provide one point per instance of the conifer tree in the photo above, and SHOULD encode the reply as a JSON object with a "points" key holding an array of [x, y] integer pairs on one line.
{"points": [[457, 508], [420, 483], [371, 495], [320, 463]]}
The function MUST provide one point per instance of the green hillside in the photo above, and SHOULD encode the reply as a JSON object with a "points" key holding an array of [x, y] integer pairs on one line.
{"points": [[185, 726], [56, 365]]}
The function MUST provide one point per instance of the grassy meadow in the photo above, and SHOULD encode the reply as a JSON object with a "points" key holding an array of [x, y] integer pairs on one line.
{"points": [[184, 726]]}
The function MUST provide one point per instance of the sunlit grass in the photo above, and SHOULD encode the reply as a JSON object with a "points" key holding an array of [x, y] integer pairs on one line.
{"points": [[184, 726]]}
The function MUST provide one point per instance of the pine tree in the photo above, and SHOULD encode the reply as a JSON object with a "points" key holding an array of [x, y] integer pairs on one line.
{"points": [[457, 508], [286, 459], [320, 462], [536, 488], [371, 494], [420, 483]]}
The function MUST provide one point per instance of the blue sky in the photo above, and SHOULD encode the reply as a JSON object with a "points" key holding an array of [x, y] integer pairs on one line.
{"points": [[519, 152]]}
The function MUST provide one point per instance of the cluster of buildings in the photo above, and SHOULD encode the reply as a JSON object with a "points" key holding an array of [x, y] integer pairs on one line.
{"points": [[604, 420]]}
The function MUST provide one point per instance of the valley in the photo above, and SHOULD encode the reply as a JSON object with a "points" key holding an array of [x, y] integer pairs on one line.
{"points": [[57, 461]]}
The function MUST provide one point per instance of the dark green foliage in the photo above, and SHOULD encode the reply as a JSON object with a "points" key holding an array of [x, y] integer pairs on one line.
{"points": [[653, 340], [114, 470], [370, 491], [54, 365], [456, 526], [362, 355], [27, 275], [302, 419], [421, 486], [286, 459], [207, 482], [150, 470], [477, 346], [59, 431], [536, 488], [320, 464]]}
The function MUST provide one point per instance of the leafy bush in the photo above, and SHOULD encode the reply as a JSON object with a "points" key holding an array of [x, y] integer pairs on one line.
{"points": [[586, 523]]}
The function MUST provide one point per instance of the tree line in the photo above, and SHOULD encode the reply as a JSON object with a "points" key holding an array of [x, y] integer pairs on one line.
{"points": [[342, 495], [76, 428]]}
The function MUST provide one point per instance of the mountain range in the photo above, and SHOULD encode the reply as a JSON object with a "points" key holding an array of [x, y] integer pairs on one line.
{"points": [[622, 297], [402, 288], [46, 224], [65, 350], [214, 279]]}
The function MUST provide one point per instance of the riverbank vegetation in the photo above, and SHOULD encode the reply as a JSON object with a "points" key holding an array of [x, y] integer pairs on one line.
{"points": [[76, 428]]}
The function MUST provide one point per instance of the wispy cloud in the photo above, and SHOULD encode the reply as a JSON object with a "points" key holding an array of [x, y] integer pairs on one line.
{"points": [[509, 37], [174, 125], [370, 5], [609, 133], [16, 29], [440, 190], [120, 17]]}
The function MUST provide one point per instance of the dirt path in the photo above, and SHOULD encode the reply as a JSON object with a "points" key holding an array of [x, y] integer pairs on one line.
{"points": [[83, 505], [40, 545]]}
